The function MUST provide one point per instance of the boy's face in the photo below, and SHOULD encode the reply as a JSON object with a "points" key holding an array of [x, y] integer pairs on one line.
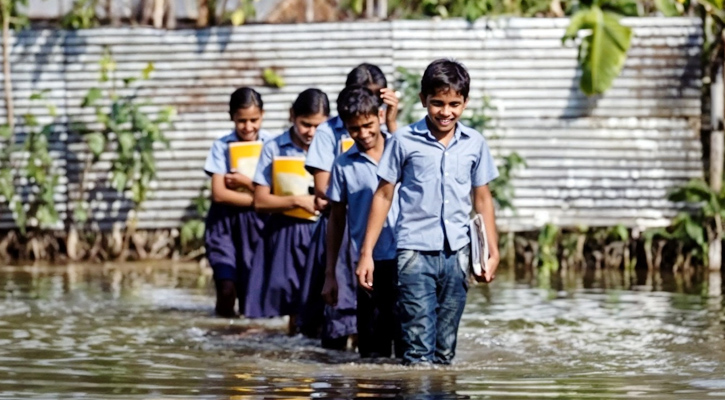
{"points": [[247, 122], [444, 110], [364, 130]]}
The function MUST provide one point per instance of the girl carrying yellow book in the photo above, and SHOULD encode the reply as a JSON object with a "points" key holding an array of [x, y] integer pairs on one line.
{"points": [[233, 227], [283, 187]]}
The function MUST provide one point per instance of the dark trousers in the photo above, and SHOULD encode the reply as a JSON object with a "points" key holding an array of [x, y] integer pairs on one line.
{"points": [[377, 322]]}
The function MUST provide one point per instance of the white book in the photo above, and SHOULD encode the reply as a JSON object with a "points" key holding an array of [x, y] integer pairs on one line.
{"points": [[479, 245]]}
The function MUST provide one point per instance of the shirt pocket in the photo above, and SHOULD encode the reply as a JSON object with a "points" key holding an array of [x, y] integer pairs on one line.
{"points": [[464, 167], [421, 169]]}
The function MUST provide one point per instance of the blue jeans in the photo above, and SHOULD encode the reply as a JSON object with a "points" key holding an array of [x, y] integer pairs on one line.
{"points": [[432, 290]]}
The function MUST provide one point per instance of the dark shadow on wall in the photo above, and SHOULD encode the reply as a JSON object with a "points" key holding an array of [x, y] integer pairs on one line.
{"points": [[578, 105], [220, 36]]}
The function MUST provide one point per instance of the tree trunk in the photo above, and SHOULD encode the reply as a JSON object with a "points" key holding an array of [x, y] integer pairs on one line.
{"points": [[170, 14], [382, 9], [6, 67], [202, 19], [111, 14], [310, 10], [158, 19], [717, 159]]}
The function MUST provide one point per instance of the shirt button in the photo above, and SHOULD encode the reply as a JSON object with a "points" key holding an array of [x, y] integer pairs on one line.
{"points": [[446, 221], [446, 201], [446, 173]]}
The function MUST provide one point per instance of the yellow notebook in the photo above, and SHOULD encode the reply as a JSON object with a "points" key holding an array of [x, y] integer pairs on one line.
{"points": [[290, 178], [346, 143], [244, 156]]}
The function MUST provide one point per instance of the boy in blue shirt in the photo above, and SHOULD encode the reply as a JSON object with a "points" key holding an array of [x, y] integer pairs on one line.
{"points": [[353, 181], [438, 162]]}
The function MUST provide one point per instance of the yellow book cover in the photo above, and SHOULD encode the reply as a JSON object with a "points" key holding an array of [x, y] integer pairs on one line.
{"points": [[244, 156], [346, 143], [290, 178]]}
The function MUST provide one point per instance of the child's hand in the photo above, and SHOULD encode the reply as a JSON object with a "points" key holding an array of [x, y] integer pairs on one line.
{"points": [[491, 267], [235, 180], [329, 290], [320, 203], [391, 115], [364, 272], [307, 203]]}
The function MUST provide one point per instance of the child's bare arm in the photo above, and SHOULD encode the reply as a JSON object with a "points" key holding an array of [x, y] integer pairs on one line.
{"points": [[265, 201], [235, 180], [391, 114], [335, 230], [379, 209], [322, 180], [221, 194], [483, 204]]}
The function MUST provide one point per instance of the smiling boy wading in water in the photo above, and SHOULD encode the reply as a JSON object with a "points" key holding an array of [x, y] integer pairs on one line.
{"points": [[438, 162]]}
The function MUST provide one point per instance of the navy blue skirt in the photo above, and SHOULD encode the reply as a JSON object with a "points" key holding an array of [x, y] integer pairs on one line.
{"points": [[231, 238], [278, 268], [341, 320], [312, 304]]}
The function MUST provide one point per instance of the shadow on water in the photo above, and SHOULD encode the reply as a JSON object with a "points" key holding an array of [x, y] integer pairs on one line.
{"points": [[147, 331]]}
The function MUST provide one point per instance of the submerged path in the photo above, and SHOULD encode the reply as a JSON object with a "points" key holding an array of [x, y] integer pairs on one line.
{"points": [[146, 331]]}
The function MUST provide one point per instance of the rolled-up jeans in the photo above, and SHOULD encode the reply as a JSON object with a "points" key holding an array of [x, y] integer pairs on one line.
{"points": [[432, 290]]}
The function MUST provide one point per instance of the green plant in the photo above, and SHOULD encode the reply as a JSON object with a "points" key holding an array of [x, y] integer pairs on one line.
{"points": [[127, 128], [82, 15], [29, 165], [471, 10], [272, 79], [547, 257], [192, 232], [242, 13], [502, 188], [695, 226], [603, 50], [408, 83]]}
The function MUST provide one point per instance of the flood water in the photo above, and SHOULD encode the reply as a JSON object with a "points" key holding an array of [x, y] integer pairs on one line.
{"points": [[147, 331]]}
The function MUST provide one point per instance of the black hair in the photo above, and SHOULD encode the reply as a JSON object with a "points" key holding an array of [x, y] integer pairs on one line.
{"points": [[366, 75], [311, 101], [244, 97], [445, 74], [356, 100]]}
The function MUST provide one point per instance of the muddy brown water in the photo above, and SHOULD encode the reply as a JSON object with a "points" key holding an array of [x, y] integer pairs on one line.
{"points": [[146, 331]]}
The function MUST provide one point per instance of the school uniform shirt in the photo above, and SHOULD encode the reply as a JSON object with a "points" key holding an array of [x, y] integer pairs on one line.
{"points": [[326, 145], [353, 181], [217, 162], [435, 184], [283, 146]]}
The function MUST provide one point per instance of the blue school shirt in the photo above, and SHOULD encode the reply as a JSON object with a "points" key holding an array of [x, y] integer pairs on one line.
{"points": [[326, 145], [280, 146], [435, 184], [217, 162], [353, 181]]}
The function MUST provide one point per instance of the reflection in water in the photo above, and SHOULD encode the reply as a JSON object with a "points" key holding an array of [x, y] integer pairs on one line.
{"points": [[147, 331]]}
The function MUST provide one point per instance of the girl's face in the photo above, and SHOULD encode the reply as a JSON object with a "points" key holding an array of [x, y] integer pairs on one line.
{"points": [[247, 122], [304, 127]]}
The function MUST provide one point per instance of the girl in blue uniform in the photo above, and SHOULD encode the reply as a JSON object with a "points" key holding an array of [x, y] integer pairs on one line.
{"points": [[286, 239], [233, 227], [334, 325]]}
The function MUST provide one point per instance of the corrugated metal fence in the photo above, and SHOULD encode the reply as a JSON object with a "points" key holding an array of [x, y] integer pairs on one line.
{"points": [[597, 161]]}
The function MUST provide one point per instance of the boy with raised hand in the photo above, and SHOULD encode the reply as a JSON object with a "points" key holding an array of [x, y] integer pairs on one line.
{"points": [[353, 181], [438, 162]]}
